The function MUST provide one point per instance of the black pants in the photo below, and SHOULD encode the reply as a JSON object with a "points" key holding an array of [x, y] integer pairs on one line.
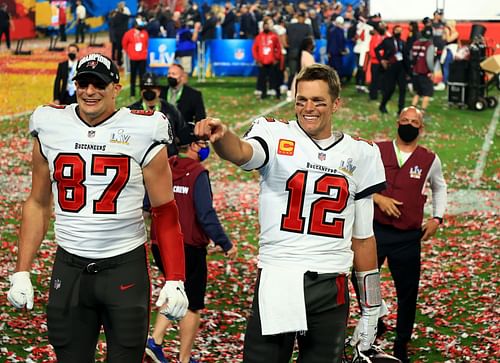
{"points": [[293, 64], [62, 32], [402, 250], [80, 31], [395, 74], [268, 73], [375, 83], [86, 295], [327, 309], [137, 69], [360, 72], [66, 99], [5, 31], [116, 52]]}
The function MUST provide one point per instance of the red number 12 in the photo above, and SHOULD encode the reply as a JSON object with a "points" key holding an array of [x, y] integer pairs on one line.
{"points": [[293, 221]]}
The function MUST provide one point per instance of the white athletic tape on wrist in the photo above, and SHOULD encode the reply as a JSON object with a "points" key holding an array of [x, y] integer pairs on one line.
{"points": [[369, 288]]}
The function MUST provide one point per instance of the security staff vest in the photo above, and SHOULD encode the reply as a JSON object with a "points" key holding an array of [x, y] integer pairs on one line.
{"points": [[405, 184], [184, 173]]}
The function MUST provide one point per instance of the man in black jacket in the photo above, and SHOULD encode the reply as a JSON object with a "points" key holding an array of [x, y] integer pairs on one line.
{"points": [[118, 26], [188, 100], [64, 88], [229, 21], [393, 57], [151, 101]]}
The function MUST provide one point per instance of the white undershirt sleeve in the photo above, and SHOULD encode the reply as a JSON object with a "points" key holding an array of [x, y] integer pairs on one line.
{"points": [[363, 218], [438, 187], [258, 157]]}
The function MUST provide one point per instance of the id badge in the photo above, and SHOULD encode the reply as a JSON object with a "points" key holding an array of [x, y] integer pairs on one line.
{"points": [[138, 47], [399, 56]]}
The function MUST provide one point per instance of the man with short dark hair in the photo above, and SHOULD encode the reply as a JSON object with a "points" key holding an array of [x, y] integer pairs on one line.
{"points": [[64, 87], [393, 57], [151, 101], [135, 43], [96, 162], [315, 199]]}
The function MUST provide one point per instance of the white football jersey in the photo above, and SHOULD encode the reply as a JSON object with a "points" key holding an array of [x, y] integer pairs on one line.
{"points": [[308, 193], [96, 175]]}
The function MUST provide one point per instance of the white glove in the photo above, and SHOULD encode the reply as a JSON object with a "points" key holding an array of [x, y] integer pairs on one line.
{"points": [[366, 330], [21, 290], [174, 296]]}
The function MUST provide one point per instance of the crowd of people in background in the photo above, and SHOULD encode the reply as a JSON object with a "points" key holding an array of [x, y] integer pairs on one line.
{"points": [[384, 55]]}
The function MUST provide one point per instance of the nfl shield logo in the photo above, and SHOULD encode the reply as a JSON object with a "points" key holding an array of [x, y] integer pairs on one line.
{"points": [[322, 156], [57, 284], [91, 133]]}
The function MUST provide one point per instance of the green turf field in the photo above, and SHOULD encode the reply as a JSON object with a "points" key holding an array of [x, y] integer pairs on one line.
{"points": [[457, 314]]}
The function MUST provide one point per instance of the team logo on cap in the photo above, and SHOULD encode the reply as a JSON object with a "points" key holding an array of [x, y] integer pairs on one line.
{"points": [[92, 64], [286, 147]]}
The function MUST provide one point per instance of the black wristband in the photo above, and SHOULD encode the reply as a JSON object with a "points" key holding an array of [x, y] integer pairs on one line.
{"points": [[439, 219]]}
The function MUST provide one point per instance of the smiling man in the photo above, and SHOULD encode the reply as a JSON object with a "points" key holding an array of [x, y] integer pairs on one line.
{"points": [[315, 213], [96, 163]]}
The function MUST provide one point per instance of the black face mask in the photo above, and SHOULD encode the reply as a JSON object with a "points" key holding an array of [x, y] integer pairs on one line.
{"points": [[149, 95], [172, 82], [72, 56], [381, 31], [397, 35], [266, 30], [407, 132]]}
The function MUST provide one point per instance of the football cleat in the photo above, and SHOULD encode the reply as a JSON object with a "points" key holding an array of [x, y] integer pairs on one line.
{"points": [[373, 355]]}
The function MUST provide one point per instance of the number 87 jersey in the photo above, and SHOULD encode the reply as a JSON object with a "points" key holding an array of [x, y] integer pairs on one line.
{"points": [[313, 199], [96, 176]]}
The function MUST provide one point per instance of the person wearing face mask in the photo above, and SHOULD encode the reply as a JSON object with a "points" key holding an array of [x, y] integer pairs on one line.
{"points": [[399, 216], [266, 51], [200, 224], [188, 100], [392, 55], [151, 101], [135, 44], [64, 87]]}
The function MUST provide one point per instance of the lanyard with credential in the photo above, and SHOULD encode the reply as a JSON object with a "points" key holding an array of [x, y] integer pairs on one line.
{"points": [[146, 108], [179, 94]]}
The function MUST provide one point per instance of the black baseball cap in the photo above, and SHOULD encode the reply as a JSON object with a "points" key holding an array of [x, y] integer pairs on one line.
{"points": [[98, 65], [149, 79]]}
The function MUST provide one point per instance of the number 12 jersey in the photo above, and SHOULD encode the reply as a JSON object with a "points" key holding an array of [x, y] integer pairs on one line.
{"points": [[313, 198]]}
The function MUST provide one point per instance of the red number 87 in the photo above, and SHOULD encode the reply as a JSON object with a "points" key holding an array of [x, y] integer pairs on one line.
{"points": [[69, 173]]}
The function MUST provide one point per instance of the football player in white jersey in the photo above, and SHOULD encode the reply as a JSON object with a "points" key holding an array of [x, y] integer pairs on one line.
{"points": [[96, 162], [316, 214]]}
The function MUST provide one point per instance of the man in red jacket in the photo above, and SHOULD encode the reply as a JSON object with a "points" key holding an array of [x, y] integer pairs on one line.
{"points": [[399, 212], [266, 51], [135, 44]]}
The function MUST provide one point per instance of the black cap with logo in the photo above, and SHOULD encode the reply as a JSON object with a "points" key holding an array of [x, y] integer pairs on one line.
{"points": [[149, 79], [98, 65]]}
